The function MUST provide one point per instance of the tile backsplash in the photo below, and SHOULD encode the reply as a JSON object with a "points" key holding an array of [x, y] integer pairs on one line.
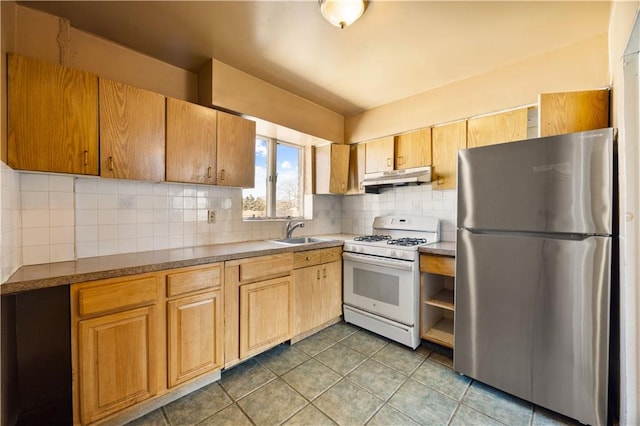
{"points": [[10, 238], [358, 211], [53, 217]]}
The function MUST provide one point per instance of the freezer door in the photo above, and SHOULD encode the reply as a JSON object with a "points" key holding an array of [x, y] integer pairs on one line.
{"points": [[554, 184], [532, 319]]}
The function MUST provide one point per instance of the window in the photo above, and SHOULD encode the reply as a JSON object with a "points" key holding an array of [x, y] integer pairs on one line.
{"points": [[278, 186]]}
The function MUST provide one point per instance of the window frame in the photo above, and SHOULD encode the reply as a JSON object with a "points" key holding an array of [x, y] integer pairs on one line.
{"points": [[271, 179]]}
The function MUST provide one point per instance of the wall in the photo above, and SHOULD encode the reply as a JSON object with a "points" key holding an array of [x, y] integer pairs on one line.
{"points": [[578, 67], [358, 211], [625, 106]]}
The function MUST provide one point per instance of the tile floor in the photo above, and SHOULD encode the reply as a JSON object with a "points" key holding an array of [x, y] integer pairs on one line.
{"points": [[347, 376]]}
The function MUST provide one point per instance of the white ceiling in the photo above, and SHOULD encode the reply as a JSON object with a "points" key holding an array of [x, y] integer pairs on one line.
{"points": [[397, 49]]}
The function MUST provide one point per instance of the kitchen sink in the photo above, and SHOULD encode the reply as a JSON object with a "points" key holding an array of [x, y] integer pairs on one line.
{"points": [[299, 240]]}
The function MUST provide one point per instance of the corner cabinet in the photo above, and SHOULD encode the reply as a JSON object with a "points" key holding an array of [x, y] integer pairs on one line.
{"points": [[132, 132], [235, 152], [52, 117], [258, 305], [140, 338], [117, 358], [331, 169], [437, 287], [317, 294]]}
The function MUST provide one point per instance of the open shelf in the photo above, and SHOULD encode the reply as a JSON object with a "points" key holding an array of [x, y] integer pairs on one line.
{"points": [[443, 299], [441, 333]]}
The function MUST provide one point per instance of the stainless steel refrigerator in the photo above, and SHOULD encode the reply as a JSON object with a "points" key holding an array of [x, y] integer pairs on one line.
{"points": [[533, 270]]}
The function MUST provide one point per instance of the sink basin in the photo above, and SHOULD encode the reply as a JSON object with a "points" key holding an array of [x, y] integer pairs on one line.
{"points": [[299, 240]]}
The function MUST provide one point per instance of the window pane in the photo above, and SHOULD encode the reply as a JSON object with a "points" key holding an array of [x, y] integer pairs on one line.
{"points": [[288, 199], [254, 204]]}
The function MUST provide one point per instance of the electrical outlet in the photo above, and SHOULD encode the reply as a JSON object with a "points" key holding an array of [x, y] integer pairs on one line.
{"points": [[211, 216]]}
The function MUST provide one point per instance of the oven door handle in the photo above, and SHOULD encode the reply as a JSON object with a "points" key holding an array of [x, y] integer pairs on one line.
{"points": [[374, 260]]}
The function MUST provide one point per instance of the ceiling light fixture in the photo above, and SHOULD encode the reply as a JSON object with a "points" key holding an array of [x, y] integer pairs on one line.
{"points": [[342, 13]]}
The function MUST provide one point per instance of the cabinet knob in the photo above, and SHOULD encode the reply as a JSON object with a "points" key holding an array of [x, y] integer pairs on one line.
{"points": [[306, 258]]}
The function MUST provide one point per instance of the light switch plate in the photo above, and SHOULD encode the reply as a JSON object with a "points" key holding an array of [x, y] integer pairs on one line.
{"points": [[211, 216]]}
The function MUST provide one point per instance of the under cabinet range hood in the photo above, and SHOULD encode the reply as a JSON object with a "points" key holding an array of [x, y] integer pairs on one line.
{"points": [[374, 182]]}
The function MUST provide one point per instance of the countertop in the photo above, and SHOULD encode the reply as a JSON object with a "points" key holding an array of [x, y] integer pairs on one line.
{"points": [[443, 248], [33, 277]]}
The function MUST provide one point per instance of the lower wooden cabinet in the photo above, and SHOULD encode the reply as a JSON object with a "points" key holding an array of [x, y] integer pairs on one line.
{"points": [[140, 337], [117, 361], [265, 315], [257, 305], [317, 288], [195, 330]]}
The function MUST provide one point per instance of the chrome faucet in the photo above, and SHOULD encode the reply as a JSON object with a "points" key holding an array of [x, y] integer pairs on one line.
{"points": [[291, 227]]}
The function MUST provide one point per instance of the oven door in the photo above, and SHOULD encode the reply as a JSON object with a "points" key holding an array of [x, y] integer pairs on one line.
{"points": [[385, 287]]}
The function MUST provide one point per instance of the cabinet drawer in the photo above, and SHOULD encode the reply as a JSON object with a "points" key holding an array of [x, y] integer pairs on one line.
{"points": [[117, 296], [263, 267], [303, 259], [440, 265], [193, 280], [331, 254]]}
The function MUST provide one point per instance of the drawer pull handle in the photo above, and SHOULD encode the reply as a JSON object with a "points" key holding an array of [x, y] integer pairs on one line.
{"points": [[209, 172], [318, 273], [86, 157], [110, 163]]}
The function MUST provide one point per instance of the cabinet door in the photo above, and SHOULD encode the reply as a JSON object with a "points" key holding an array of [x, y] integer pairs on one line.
{"points": [[447, 140], [570, 112], [307, 297], [236, 151], [497, 128], [331, 169], [331, 291], [191, 142], [356, 169], [132, 132], [117, 358], [379, 155], [195, 336], [413, 149], [265, 315], [53, 117]]}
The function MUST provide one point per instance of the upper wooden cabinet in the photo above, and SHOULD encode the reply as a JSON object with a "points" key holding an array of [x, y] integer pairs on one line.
{"points": [[236, 151], [132, 132], [446, 142], [497, 128], [53, 117], [413, 149], [573, 111], [331, 169], [356, 169], [191, 142], [379, 154]]}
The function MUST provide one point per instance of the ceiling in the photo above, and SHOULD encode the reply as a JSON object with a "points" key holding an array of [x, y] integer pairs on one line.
{"points": [[397, 49]]}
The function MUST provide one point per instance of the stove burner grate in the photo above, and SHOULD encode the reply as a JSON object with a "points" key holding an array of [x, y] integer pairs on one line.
{"points": [[372, 238], [407, 241]]}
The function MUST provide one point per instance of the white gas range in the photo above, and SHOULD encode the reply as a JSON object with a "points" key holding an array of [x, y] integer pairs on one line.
{"points": [[382, 276]]}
